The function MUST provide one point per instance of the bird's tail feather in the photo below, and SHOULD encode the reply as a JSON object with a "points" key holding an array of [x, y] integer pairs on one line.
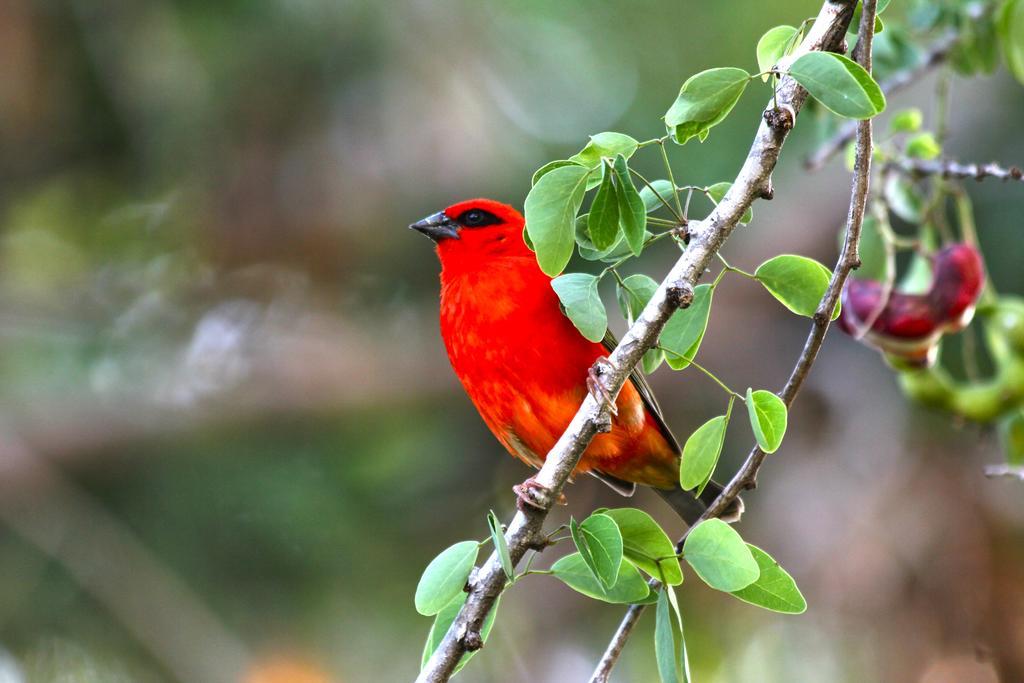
{"points": [[690, 507]]}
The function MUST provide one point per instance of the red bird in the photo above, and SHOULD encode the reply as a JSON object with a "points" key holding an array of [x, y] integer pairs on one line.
{"points": [[525, 366]]}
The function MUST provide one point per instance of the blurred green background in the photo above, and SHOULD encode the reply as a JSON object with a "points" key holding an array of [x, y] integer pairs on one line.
{"points": [[229, 436]]}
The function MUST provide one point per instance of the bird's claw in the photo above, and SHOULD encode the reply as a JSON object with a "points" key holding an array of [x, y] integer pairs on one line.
{"points": [[597, 388], [532, 494]]}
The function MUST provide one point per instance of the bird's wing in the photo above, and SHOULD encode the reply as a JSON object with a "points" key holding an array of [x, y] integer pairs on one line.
{"points": [[627, 488], [684, 503], [620, 486], [646, 394]]}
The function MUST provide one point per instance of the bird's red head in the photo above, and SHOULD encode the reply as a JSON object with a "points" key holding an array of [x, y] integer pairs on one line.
{"points": [[475, 229]]}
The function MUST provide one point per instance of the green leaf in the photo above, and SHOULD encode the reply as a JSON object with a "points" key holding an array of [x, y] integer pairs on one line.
{"points": [[650, 199], [701, 451], [684, 331], [1010, 29], [611, 255], [927, 15], [896, 50], [904, 198], [850, 156], [550, 166], [630, 586], [444, 620], [652, 360], [500, 544], [583, 306], [551, 208], [772, 47], [633, 294], [1011, 431], [527, 240], [600, 544], [665, 640], [704, 101], [603, 219], [775, 589], [445, 577], [719, 556], [646, 545], [986, 44], [839, 83], [768, 418], [684, 658], [651, 599], [906, 121], [586, 245], [605, 145], [717, 193], [796, 281], [977, 47], [631, 207], [917, 278], [923, 146]]}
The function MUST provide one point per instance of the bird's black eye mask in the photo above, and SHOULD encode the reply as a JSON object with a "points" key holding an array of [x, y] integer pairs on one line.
{"points": [[477, 218]]}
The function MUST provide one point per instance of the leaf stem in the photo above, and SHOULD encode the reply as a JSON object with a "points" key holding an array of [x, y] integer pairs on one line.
{"points": [[622, 283], [668, 206], [674, 556], [727, 268], [707, 372], [672, 179], [650, 240], [652, 141], [718, 278], [686, 207], [732, 394]]}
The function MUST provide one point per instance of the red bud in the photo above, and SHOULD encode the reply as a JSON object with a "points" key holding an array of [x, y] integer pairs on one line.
{"points": [[903, 316], [909, 326], [959, 276]]}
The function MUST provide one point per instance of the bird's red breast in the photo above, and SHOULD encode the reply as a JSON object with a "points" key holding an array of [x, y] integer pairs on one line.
{"points": [[520, 359]]}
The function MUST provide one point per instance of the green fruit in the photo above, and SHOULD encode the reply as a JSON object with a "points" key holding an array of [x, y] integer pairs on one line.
{"points": [[930, 387], [980, 402], [1008, 319], [1011, 430], [1011, 377]]}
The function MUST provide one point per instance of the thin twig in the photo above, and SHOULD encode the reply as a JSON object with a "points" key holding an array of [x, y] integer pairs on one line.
{"points": [[947, 168], [1010, 471], [881, 211], [849, 259], [706, 238]]}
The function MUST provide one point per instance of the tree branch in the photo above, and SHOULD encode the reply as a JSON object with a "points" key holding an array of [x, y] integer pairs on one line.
{"points": [[849, 260], [706, 237], [947, 168]]}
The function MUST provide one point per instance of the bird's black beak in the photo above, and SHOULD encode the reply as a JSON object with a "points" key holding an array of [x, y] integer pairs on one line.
{"points": [[437, 227]]}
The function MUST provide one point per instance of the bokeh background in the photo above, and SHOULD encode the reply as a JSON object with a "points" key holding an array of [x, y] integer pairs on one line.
{"points": [[229, 436]]}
